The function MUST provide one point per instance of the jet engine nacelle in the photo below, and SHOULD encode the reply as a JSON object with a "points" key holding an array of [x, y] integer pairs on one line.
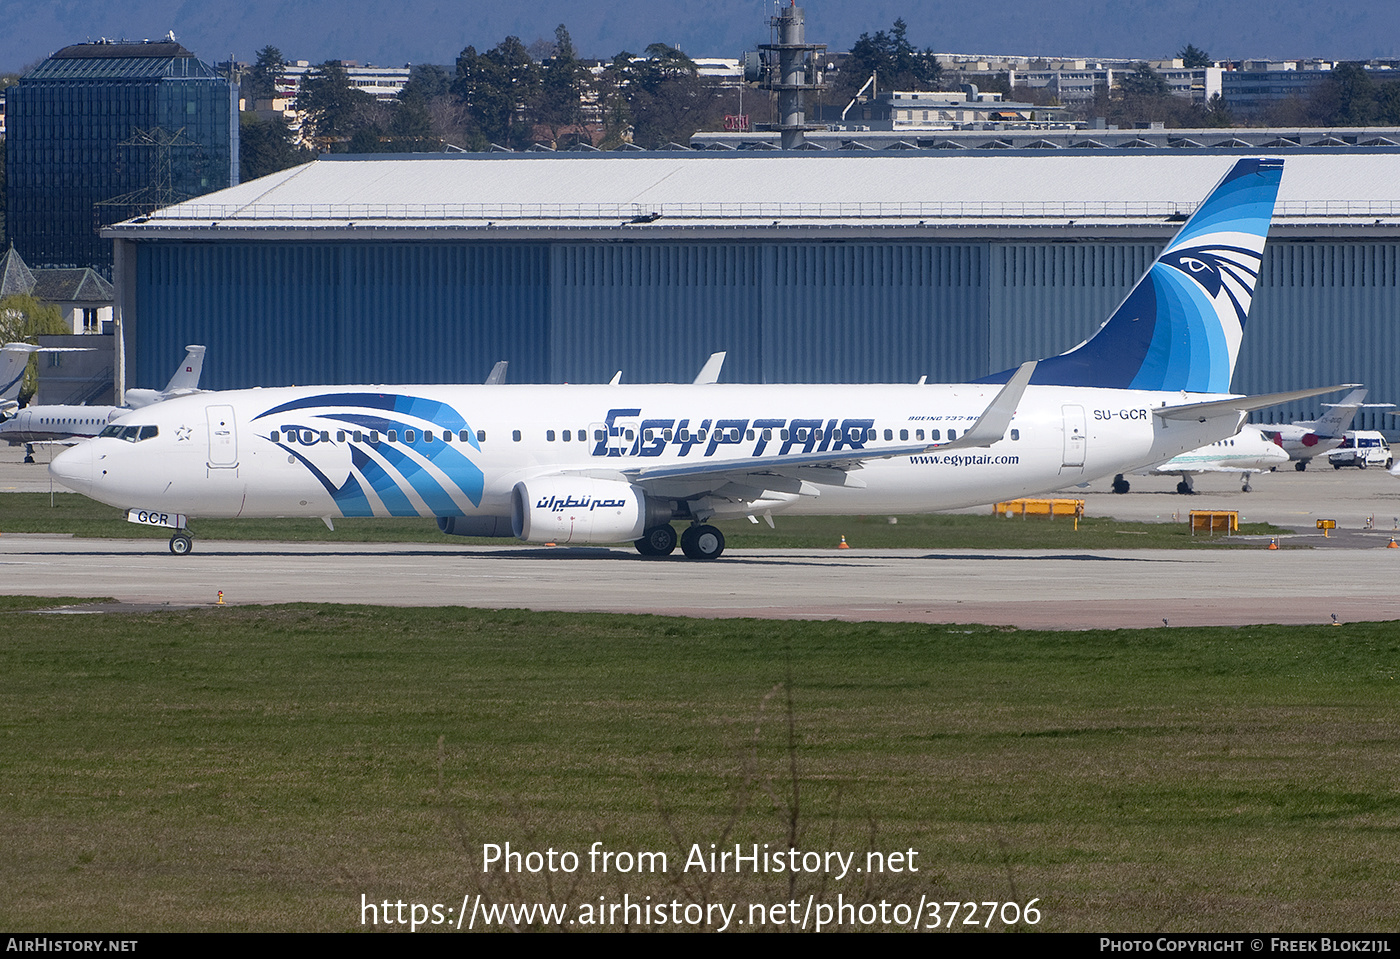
{"points": [[475, 526], [578, 509]]}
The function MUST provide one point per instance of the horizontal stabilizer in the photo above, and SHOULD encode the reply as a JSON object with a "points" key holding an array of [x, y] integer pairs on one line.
{"points": [[1240, 404]]}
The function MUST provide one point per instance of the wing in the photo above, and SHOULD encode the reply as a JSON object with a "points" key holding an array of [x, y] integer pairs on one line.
{"points": [[779, 478]]}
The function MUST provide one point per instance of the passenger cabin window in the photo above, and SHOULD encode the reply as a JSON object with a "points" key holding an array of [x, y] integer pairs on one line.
{"points": [[391, 435], [1015, 435], [549, 435], [515, 435]]}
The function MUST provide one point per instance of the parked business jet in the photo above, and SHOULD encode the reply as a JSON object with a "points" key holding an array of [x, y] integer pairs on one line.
{"points": [[1248, 451], [1304, 439], [41, 424], [612, 463]]}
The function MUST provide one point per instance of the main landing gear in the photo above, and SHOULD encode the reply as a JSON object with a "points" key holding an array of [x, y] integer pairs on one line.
{"points": [[657, 541], [1120, 485], [697, 542], [702, 542], [181, 543]]}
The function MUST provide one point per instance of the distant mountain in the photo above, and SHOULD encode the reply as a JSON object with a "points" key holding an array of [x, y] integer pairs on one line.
{"points": [[435, 31]]}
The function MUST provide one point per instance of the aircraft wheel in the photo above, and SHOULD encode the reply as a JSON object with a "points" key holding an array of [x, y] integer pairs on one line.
{"points": [[1184, 488], [702, 542], [1361, 464], [1336, 466], [657, 541], [1120, 485], [181, 543], [1246, 488], [1301, 465]]}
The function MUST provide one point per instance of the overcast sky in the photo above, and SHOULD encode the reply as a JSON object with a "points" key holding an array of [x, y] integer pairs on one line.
{"points": [[435, 31]]}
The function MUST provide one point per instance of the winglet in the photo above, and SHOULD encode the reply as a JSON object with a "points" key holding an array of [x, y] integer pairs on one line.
{"points": [[991, 426], [709, 373]]}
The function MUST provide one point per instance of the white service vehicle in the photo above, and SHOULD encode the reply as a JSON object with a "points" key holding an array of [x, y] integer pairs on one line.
{"points": [[1361, 448]]}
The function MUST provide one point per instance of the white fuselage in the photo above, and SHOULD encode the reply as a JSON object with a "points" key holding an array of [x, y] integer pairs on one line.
{"points": [[1250, 451], [41, 424], [460, 450], [1301, 441]]}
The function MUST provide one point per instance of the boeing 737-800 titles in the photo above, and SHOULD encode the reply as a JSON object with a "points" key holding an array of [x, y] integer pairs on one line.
{"points": [[614, 463]]}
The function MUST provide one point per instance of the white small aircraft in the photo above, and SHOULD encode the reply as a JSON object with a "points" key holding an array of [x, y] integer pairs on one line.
{"points": [[42, 424], [1304, 439], [1248, 451], [614, 463]]}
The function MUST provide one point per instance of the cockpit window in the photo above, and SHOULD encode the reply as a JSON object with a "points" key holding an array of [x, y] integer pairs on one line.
{"points": [[132, 434]]}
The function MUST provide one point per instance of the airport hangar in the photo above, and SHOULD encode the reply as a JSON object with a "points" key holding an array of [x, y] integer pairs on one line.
{"points": [[805, 267]]}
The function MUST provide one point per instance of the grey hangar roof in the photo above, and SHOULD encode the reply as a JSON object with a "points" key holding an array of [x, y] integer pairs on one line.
{"points": [[693, 195]]}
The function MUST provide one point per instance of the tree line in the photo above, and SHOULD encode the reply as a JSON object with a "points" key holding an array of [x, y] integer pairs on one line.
{"points": [[509, 96]]}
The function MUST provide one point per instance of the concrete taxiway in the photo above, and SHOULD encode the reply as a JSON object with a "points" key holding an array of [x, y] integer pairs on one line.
{"points": [[1060, 590], [1352, 578]]}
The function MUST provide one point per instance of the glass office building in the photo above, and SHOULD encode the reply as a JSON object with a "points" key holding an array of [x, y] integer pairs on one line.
{"points": [[100, 132]]}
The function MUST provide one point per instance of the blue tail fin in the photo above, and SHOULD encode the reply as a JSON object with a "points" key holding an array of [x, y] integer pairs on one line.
{"points": [[1180, 327]]}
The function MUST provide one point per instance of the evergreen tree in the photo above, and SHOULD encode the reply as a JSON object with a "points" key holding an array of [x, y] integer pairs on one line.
{"points": [[330, 106], [559, 105], [895, 62], [1193, 58], [495, 87], [264, 74], [265, 146]]}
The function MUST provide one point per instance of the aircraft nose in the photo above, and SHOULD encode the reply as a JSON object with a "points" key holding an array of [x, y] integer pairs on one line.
{"points": [[73, 468]]}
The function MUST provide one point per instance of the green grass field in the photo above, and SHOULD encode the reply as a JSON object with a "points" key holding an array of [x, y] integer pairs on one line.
{"points": [[72, 513], [263, 768]]}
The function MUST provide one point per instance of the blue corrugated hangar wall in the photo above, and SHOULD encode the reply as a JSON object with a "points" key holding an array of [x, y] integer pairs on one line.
{"points": [[291, 312]]}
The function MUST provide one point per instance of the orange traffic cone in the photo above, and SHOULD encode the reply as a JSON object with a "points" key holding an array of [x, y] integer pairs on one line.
{"points": [[1393, 544], [1273, 543], [843, 543]]}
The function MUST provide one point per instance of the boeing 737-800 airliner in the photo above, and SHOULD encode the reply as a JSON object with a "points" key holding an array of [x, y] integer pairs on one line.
{"points": [[614, 463]]}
